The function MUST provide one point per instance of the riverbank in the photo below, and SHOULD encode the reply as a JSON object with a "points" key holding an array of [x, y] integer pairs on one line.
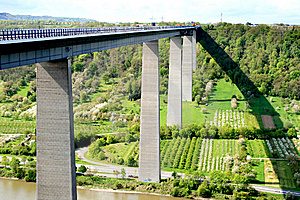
{"points": [[128, 192], [21, 190]]}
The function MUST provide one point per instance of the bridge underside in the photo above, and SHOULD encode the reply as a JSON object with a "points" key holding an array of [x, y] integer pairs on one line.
{"points": [[26, 52]]}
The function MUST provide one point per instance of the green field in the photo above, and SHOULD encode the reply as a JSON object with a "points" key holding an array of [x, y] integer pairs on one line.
{"points": [[287, 117], [257, 149], [191, 113]]}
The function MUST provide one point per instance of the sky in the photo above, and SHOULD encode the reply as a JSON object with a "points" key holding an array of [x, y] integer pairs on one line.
{"points": [[204, 11]]}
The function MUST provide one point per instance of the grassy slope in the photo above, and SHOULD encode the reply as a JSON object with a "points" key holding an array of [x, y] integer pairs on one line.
{"points": [[285, 117], [191, 113], [219, 100]]}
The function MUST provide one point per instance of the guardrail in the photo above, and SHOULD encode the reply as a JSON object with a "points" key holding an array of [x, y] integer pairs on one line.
{"points": [[19, 34]]}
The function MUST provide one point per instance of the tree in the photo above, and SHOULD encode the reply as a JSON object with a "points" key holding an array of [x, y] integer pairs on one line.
{"points": [[82, 169], [174, 174], [198, 100], [14, 164], [77, 66], [5, 161], [123, 173], [129, 138], [30, 175], [203, 190], [292, 133], [131, 162]]}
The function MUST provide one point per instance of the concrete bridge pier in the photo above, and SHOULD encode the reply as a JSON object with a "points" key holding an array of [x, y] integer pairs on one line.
{"points": [[187, 68], [194, 46], [56, 178], [149, 163], [174, 115]]}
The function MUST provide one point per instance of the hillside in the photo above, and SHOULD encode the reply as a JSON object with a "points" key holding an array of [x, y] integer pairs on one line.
{"points": [[107, 83], [240, 129], [8, 16]]}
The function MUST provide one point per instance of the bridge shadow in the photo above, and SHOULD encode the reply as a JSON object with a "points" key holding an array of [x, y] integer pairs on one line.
{"points": [[258, 104]]}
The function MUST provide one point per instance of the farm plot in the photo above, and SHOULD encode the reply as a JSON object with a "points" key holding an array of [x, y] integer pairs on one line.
{"points": [[257, 148], [268, 122], [233, 118], [284, 173], [281, 147], [11, 126], [279, 172], [270, 174], [213, 153]]}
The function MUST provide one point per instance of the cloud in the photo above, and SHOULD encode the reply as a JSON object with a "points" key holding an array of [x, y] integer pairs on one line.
{"points": [[255, 11]]}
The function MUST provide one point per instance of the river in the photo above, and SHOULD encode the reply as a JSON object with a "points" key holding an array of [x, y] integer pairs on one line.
{"points": [[19, 190]]}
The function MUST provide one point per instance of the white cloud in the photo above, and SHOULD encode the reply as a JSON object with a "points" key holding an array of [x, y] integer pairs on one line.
{"points": [[255, 11]]}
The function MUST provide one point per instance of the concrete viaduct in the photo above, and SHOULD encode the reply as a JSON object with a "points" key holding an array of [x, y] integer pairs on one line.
{"points": [[51, 50]]}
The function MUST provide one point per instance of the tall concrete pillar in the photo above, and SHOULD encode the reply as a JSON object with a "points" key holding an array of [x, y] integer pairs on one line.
{"points": [[149, 163], [55, 132], [194, 46], [187, 68], [174, 116]]}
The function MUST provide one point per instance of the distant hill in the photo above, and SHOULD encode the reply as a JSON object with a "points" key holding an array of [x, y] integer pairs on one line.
{"points": [[8, 16]]}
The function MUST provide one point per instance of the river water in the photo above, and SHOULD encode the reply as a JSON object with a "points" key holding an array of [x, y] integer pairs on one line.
{"points": [[19, 190]]}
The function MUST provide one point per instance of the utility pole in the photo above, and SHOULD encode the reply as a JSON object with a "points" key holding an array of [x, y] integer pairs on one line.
{"points": [[221, 17]]}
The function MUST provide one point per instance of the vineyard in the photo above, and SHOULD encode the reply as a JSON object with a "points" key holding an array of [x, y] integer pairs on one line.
{"points": [[13, 126], [205, 154], [181, 153], [233, 118]]}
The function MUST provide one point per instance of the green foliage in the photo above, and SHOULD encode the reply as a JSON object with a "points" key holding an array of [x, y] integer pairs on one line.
{"points": [[179, 153], [203, 190], [82, 169], [123, 173], [190, 154], [95, 149], [30, 175], [268, 54], [292, 133], [84, 138], [196, 155], [184, 154], [14, 164], [131, 162], [4, 161]]}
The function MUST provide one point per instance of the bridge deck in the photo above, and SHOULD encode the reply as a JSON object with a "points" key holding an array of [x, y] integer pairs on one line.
{"points": [[19, 52]]}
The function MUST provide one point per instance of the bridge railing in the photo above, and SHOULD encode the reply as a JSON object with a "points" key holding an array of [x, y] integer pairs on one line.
{"points": [[19, 34]]}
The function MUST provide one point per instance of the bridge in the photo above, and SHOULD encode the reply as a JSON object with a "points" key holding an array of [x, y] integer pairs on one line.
{"points": [[51, 50]]}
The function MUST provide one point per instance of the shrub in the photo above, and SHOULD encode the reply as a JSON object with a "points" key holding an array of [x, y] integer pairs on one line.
{"points": [[82, 169], [203, 190]]}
